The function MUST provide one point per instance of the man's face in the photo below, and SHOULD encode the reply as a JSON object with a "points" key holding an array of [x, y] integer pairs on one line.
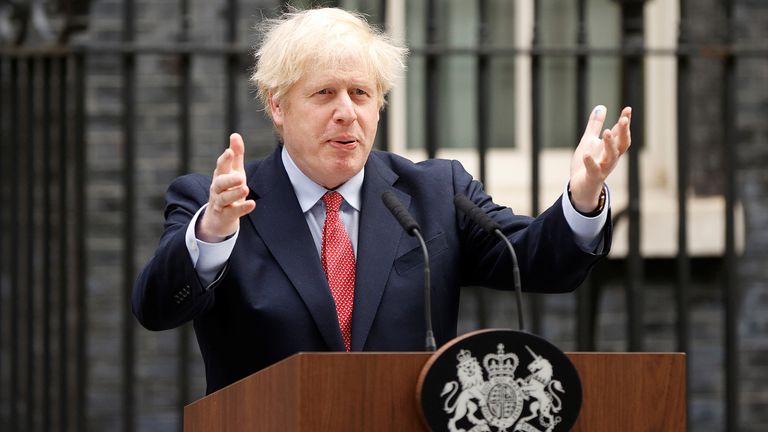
{"points": [[328, 121]]}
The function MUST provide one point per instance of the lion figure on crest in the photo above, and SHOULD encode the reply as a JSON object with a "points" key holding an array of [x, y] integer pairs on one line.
{"points": [[540, 386], [466, 404]]}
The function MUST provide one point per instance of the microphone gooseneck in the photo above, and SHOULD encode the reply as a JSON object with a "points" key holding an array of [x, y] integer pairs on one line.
{"points": [[410, 226], [400, 213], [490, 226]]}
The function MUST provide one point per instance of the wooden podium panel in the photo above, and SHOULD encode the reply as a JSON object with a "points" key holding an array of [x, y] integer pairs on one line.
{"points": [[631, 391], [377, 392], [317, 392]]}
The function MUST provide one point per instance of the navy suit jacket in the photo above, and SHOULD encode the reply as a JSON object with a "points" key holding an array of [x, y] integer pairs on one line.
{"points": [[272, 299]]}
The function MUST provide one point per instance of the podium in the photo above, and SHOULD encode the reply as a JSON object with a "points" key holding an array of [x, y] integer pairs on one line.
{"points": [[377, 392]]}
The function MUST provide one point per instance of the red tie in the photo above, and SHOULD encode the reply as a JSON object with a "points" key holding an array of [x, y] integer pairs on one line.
{"points": [[338, 261]]}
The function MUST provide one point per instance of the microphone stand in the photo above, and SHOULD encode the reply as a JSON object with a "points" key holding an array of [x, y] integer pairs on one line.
{"points": [[515, 278], [491, 227], [410, 226], [430, 342]]}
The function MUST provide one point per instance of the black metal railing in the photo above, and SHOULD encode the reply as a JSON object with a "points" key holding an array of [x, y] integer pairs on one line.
{"points": [[43, 246], [44, 319]]}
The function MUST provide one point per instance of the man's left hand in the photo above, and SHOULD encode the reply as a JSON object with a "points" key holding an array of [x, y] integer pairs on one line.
{"points": [[596, 157]]}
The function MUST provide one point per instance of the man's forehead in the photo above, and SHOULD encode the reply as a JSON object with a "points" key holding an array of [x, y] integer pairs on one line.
{"points": [[341, 75]]}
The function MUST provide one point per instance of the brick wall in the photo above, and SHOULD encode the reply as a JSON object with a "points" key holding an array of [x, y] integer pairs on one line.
{"points": [[752, 153], [157, 150]]}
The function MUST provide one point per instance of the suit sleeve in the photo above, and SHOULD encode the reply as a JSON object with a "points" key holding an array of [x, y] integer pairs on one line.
{"points": [[168, 291], [550, 260]]}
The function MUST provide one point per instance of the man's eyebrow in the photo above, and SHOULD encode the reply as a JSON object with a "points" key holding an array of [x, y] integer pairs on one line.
{"points": [[363, 85]]}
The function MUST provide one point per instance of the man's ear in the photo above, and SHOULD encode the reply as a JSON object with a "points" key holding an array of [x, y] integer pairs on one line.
{"points": [[276, 109]]}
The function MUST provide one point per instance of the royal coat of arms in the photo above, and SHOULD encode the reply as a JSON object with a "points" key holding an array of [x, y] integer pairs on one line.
{"points": [[505, 400]]}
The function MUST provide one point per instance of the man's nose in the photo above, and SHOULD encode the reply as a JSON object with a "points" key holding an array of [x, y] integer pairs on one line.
{"points": [[345, 109]]}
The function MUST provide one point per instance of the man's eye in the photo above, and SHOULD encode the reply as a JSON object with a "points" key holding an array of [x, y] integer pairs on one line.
{"points": [[360, 92], [323, 91]]}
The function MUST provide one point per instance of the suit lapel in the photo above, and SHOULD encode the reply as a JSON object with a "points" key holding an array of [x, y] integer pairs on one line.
{"points": [[378, 238], [281, 225]]}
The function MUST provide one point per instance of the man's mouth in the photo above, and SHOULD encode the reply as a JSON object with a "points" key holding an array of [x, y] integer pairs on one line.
{"points": [[343, 140]]}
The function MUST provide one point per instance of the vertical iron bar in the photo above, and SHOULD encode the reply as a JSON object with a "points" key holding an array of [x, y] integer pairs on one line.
{"points": [[383, 131], [483, 90], [730, 282], [15, 71], [383, 13], [3, 158], [632, 94], [584, 311], [384, 121], [582, 84], [4, 149], [80, 250], [63, 268], [483, 128], [129, 231], [535, 300], [232, 64], [431, 87], [29, 240], [47, 237], [683, 149], [185, 138]]}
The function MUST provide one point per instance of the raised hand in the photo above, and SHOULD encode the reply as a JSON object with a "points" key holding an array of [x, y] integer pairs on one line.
{"points": [[596, 157], [226, 200]]}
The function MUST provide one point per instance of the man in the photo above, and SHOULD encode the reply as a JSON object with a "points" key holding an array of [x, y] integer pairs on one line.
{"points": [[296, 252]]}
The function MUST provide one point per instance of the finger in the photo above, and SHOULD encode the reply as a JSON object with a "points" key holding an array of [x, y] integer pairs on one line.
{"points": [[242, 208], [225, 182], [238, 148], [627, 112], [627, 133], [625, 118], [596, 120], [622, 132], [238, 209], [229, 197], [224, 163], [592, 167], [625, 137], [610, 147]]}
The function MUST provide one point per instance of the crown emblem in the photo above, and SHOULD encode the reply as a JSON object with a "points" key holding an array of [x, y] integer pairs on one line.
{"points": [[500, 364]]}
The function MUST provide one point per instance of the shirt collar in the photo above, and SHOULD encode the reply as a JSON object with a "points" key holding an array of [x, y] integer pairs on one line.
{"points": [[309, 193]]}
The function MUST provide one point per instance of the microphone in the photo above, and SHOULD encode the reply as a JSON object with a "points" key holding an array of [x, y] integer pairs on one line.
{"points": [[491, 227], [410, 226]]}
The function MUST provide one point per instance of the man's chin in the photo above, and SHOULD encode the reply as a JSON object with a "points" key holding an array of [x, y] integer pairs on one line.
{"points": [[341, 174]]}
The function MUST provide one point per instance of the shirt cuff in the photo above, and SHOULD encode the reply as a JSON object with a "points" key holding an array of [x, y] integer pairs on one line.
{"points": [[586, 230], [208, 259]]}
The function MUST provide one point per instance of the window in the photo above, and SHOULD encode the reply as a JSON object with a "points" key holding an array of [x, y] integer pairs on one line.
{"points": [[510, 31]]}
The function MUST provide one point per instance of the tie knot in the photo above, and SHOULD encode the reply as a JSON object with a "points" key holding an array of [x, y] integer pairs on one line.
{"points": [[332, 201]]}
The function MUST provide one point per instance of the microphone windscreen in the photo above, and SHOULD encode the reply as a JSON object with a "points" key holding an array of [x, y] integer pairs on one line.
{"points": [[400, 212], [475, 213]]}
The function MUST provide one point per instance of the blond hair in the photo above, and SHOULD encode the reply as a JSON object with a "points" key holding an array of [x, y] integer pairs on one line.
{"points": [[301, 41]]}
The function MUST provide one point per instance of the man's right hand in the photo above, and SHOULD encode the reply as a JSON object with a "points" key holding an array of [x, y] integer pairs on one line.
{"points": [[226, 200]]}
